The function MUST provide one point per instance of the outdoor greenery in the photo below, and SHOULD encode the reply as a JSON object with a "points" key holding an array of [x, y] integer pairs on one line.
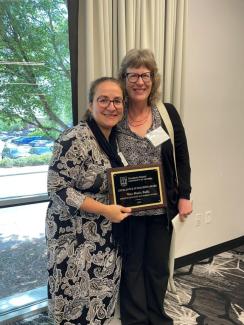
{"points": [[35, 87], [34, 160]]}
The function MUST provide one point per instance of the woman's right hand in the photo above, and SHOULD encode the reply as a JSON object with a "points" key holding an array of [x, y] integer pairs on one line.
{"points": [[116, 213], [113, 212]]}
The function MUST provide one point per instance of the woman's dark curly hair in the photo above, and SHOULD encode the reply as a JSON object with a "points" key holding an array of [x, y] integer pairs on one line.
{"points": [[136, 58]]}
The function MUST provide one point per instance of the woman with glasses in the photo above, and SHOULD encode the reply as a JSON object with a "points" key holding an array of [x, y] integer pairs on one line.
{"points": [[143, 139], [82, 229]]}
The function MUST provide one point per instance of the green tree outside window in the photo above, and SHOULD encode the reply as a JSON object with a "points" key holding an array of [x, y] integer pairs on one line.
{"points": [[35, 85]]}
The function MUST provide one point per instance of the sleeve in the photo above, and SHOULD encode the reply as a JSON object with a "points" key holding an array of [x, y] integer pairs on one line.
{"points": [[181, 153], [65, 169]]}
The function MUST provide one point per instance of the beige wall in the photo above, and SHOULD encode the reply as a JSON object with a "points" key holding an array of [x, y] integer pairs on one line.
{"points": [[213, 115]]}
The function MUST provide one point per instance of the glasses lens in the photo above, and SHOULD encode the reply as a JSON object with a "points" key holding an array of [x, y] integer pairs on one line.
{"points": [[133, 77], [103, 101], [118, 102], [146, 76]]}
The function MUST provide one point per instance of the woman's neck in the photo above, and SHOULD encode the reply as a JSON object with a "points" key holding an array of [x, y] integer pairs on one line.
{"points": [[138, 108], [139, 116]]}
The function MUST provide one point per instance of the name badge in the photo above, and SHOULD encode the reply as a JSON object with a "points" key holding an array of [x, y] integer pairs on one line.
{"points": [[157, 136]]}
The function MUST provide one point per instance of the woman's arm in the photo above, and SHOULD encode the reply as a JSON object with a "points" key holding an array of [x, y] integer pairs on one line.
{"points": [[181, 153], [182, 163], [114, 213], [66, 167], [64, 170]]}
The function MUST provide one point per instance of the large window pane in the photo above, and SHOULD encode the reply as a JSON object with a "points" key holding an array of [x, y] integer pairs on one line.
{"points": [[35, 106], [25, 181], [35, 101], [22, 249]]}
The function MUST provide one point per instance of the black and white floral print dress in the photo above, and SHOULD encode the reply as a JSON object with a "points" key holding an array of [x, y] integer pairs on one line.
{"points": [[83, 265]]}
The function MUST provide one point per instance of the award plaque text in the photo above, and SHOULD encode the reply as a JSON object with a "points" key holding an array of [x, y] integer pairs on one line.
{"points": [[138, 187]]}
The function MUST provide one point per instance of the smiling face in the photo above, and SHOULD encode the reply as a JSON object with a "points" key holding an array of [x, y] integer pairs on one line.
{"points": [[107, 117], [139, 91]]}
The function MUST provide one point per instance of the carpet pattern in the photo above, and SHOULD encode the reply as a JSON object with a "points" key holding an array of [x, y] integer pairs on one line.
{"points": [[210, 292]]}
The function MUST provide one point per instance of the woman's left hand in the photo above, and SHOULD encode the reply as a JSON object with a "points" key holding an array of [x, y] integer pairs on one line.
{"points": [[185, 208]]}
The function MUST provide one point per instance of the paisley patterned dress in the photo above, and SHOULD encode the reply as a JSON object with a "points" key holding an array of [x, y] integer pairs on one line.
{"points": [[83, 265]]}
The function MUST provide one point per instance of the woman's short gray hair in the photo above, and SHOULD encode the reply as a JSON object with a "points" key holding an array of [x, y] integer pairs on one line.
{"points": [[136, 58]]}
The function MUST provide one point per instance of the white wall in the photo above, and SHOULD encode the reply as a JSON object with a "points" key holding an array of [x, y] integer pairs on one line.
{"points": [[213, 115]]}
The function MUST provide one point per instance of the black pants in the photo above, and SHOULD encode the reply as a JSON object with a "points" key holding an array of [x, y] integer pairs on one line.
{"points": [[145, 272]]}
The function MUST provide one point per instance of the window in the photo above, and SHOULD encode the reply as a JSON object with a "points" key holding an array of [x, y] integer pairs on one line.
{"points": [[35, 106]]}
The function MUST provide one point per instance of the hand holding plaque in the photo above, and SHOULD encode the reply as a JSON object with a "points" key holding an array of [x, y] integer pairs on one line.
{"points": [[139, 187]]}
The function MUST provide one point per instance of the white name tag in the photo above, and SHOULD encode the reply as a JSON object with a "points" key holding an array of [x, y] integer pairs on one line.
{"points": [[157, 136], [122, 157]]}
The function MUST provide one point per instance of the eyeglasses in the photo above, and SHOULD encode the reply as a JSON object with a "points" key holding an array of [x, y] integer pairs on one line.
{"points": [[104, 102], [133, 77]]}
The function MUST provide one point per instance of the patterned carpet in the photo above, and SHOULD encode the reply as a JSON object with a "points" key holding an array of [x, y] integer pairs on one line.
{"points": [[210, 292]]}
